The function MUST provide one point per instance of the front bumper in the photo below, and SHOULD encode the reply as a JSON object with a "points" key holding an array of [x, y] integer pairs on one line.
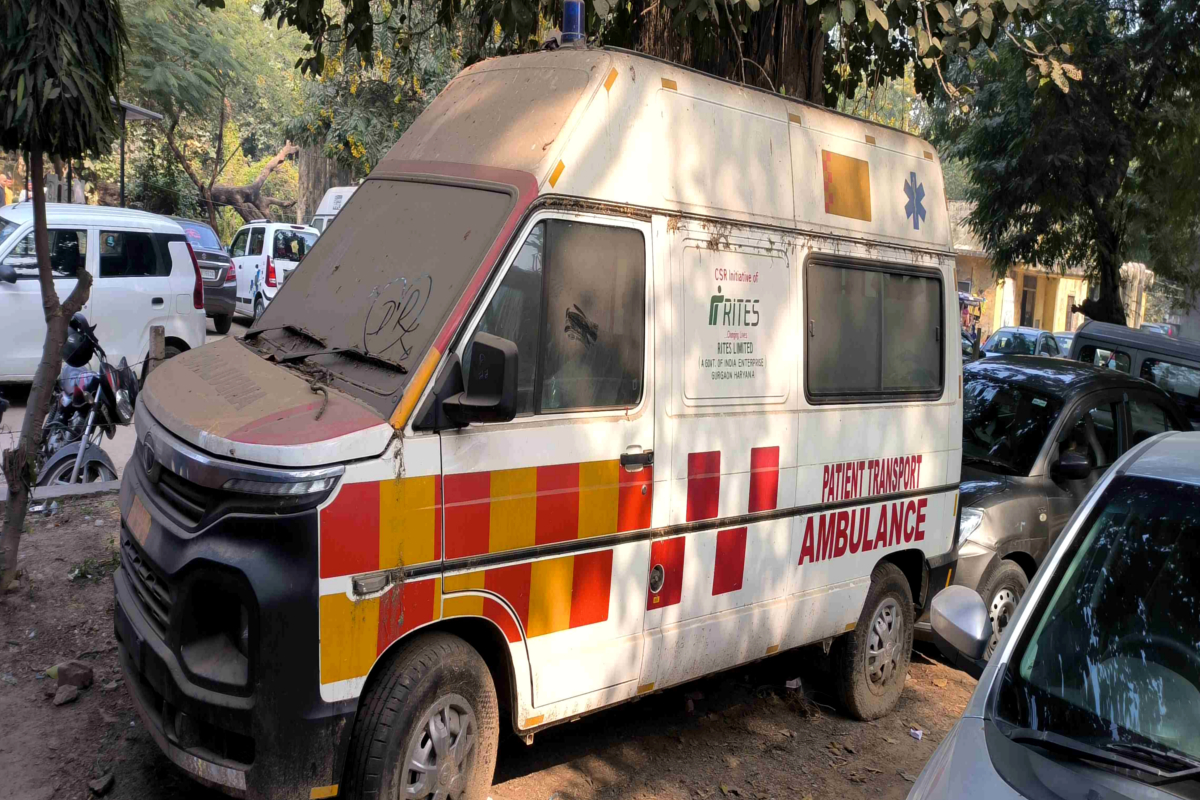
{"points": [[219, 299], [273, 738]]}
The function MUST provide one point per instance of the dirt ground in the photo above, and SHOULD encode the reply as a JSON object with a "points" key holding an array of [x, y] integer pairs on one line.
{"points": [[740, 734]]}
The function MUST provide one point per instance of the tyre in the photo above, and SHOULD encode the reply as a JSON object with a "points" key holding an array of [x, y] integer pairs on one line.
{"points": [[222, 323], [259, 308], [90, 472], [871, 663], [1002, 587], [170, 351], [428, 727]]}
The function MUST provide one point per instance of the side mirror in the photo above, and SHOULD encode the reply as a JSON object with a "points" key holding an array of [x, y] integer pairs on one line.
{"points": [[1072, 466], [8, 274], [961, 627], [491, 379]]}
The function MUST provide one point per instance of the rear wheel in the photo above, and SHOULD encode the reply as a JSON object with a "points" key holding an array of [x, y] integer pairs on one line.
{"points": [[259, 308], [870, 664], [91, 472], [222, 323], [1002, 589], [428, 728]]}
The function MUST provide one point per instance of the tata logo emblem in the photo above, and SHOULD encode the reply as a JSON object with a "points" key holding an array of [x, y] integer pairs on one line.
{"points": [[149, 462]]}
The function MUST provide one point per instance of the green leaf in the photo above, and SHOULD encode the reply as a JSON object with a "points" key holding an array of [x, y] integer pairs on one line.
{"points": [[848, 10], [1068, 49], [752, 5], [829, 18], [1073, 72], [1060, 80], [20, 88], [992, 55], [1029, 43], [1011, 5], [922, 42], [874, 15], [602, 7], [985, 28]]}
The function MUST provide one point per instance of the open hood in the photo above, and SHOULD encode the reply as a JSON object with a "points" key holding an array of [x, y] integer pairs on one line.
{"points": [[226, 400]]}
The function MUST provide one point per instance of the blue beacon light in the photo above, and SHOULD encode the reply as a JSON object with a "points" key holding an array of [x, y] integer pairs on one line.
{"points": [[572, 28]]}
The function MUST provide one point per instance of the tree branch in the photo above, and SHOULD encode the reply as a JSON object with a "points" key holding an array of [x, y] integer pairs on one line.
{"points": [[287, 150], [183, 162]]}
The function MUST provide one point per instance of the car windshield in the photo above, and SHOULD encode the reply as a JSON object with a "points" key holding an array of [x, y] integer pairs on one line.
{"points": [[1112, 657], [1004, 425], [1012, 343], [7, 229], [385, 284], [200, 236]]}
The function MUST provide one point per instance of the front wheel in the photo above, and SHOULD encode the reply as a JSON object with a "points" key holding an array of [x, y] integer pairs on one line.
{"points": [[428, 727], [870, 664], [1002, 591]]}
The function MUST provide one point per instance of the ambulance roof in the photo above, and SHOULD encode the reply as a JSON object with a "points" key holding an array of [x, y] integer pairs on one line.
{"points": [[616, 126]]}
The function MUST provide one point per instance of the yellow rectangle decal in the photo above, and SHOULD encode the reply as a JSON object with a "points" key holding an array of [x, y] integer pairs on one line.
{"points": [[550, 595], [319, 792], [513, 509], [599, 491], [847, 186], [407, 521], [349, 636]]}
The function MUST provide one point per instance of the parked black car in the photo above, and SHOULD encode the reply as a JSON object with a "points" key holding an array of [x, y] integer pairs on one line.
{"points": [[216, 269], [1038, 433]]}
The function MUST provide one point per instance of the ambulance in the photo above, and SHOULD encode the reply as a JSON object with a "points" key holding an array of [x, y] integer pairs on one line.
{"points": [[622, 375]]}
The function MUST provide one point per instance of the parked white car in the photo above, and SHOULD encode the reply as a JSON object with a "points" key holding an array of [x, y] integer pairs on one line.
{"points": [[264, 253], [143, 274], [334, 200]]}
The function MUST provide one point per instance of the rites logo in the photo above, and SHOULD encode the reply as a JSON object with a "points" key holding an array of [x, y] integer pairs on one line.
{"points": [[732, 312]]}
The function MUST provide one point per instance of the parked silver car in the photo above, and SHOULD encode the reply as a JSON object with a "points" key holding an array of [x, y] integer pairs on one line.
{"points": [[1094, 690]]}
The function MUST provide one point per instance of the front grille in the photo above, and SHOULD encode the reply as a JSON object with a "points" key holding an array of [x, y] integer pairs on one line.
{"points": [[153, 593], [188, 499]]}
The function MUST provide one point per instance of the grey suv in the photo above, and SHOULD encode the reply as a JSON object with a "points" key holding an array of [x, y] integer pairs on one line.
{"points": [[216, 270]]}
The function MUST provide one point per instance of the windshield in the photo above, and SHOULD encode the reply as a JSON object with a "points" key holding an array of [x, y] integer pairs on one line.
{"points": [[1004, 425], [200, 236], [7, 229], [292, 245], [1012, 343], [385, 283], [1113, 657]]}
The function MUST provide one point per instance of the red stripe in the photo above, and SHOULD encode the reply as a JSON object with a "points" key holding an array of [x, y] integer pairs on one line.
{"points": [[764, 479], [437, 517], [500, 615], [669, 554], [704, 485], [403, 608], [511, 583], [635, 499], [590, 588], [468, 513], [731, 561], [350, 531], [557, 503], [299, 424]]}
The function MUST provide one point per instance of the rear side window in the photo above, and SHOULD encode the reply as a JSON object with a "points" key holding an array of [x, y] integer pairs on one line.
{"points": [[574, 302], [238, 248], [1051, 346], [1147, 419], [292, 245], [68, 255], [1180, 381], [256, 241], [872, 334], [1106, 358], [130, 254]]}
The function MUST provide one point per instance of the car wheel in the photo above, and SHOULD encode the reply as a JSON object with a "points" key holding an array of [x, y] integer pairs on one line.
{"points": [[259, 308], [871, 663], [222, 323], [1002, 589], [428, 727]]}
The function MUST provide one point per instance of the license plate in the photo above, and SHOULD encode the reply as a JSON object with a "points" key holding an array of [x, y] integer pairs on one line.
{"points": [[209, 274], [139, 521]]}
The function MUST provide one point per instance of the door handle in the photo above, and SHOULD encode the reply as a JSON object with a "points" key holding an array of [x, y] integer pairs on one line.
{"points": [[636, 461], [156, 301]]}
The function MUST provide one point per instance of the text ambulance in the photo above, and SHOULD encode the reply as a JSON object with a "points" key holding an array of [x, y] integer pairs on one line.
{"points": [[622, 375]]}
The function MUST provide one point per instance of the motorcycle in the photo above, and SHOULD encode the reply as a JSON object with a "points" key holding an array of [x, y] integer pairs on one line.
{"points": [[87, 405]]}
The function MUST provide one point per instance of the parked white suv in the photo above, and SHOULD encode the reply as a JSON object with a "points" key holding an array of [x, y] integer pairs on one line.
{"points": [[264, 253], [143, 274]]}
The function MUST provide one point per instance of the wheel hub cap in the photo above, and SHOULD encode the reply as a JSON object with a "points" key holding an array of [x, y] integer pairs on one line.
{"points": [[440, 753], [884, 642]]}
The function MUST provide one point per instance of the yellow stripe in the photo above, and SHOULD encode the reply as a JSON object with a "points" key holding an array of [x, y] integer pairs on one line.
{"points": [[870, 139], [667, 83], [531, 722], [949, 575], [412, 392], [557, 172], [468, 605], [645, 688], [513, 509], [599, 491], [928, 156], [349, 634], [318, 792], [462, 583], [612, 78], [407, 517], [550, 595], [773, 649], [795, 118], [847, 186], [850, 626]]}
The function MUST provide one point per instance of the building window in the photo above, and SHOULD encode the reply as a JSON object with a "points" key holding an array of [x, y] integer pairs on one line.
{"points": [[872, 334], [964, 286]]}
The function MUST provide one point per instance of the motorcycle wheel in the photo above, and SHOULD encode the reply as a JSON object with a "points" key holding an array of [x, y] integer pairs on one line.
{"points": [[91, 472]]}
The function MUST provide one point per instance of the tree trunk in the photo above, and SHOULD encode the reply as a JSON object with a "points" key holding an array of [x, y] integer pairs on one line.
{"points": [[1108, 307], [318, 175], [20, 463]]}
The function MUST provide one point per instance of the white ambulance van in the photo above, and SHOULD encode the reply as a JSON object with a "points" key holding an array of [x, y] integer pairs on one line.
{"points": [[331, 204], [622, 375]]}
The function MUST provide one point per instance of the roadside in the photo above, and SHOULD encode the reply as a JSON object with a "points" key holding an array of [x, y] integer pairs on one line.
{"points": [[120, 447], [740, 734]]}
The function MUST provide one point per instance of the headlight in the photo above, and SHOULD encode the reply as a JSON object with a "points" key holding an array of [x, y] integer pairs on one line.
{"points": [[968, 526], [279, 489], [124, 406]]}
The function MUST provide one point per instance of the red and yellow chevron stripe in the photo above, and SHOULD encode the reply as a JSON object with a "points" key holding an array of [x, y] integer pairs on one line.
{"points": [[382, 525]]}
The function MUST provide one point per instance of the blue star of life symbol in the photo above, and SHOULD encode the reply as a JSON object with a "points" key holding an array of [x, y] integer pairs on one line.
{"points": [[915, 192]]}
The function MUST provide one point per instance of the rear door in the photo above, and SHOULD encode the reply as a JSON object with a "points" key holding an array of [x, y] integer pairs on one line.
{"points": [[556, 504], [288, 246], [133, 290], [1095, 427], [237, 252], [22, 321]]}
